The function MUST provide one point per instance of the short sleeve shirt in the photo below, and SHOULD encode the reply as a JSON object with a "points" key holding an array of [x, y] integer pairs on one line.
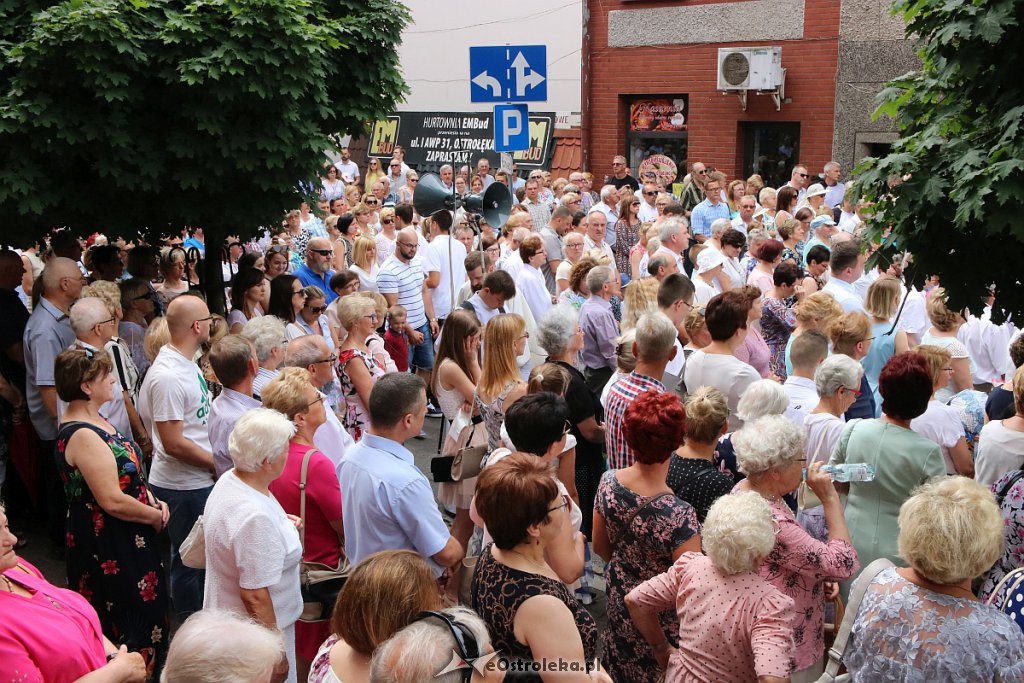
{"points": [[47, 333], [405, 280], [174, 390]]}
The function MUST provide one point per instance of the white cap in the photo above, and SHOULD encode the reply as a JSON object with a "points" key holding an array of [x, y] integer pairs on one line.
{"points": [[815, 190], [709, 259]]}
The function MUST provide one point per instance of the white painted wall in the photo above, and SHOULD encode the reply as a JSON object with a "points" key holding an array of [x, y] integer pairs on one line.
{"points": [[434, 54]]}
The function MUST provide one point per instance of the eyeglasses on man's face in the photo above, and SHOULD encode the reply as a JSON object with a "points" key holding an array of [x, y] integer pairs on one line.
{"points": [[330, 359]]}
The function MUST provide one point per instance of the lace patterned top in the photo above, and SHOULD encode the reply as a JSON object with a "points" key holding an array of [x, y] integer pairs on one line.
{"points": [[904, 632], [494, 415]]}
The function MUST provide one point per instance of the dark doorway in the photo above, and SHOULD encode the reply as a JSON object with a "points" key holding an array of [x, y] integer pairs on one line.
{"points": [[770, 150]]}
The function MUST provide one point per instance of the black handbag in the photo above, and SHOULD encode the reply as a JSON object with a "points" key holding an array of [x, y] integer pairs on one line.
{"points": [[319, 583]]}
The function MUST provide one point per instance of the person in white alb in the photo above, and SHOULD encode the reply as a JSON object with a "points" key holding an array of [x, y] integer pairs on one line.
{"points": [[530, 281], [847, 265], [174, 403], [807, 353]]}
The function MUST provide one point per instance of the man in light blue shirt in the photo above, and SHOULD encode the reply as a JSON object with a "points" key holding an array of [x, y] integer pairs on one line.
{"points": [[709, 210], [234, 360], [389, 504]]}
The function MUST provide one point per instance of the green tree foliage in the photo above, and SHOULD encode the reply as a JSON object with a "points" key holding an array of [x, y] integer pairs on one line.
{"points": [[152, 115], [960, 209]]}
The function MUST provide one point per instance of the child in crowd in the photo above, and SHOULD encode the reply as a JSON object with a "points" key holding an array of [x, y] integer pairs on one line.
{"points": [[396, 341]]}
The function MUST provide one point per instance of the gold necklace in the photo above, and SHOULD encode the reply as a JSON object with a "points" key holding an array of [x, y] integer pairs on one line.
{"points": [[530, 560]]}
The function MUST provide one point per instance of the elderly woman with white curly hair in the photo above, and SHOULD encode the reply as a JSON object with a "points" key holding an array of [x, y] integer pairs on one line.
{"points": [[922, 622], [732, 622], [218, 646], [763, 397], [252, 546], [771, 453]]}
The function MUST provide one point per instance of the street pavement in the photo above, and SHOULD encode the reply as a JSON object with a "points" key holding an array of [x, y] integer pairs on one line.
{"points": [[39, 552]]}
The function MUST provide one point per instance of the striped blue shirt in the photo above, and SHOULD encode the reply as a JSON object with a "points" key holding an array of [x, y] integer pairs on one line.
{"points": [[405, 280]]}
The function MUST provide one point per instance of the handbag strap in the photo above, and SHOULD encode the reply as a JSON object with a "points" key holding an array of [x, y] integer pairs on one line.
{"points": [[821, 441], [629, 522], [835, 653], [302, 494], [1016, 575]]}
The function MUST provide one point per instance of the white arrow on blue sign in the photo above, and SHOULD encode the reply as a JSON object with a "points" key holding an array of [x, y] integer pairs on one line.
{"points": [[511, 127], [508, 73]]}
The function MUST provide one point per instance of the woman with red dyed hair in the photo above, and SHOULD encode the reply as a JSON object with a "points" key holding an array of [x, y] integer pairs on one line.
{"points": [[640, 528]]}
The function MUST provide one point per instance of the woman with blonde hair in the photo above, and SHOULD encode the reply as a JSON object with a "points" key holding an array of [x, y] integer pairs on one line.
{"points": [[940, 422], [373, 173], [943, 332], [364, 263], [375, 342], [882, 302], [692, 475], [734, 192], [641, 297], [384, 593], [923, 622], [792, 233], [157, 336], [816, 312], [172, 269], [357, 368], [500, 383], [352, 196], [733, 624], [387, 238], [309, 474]]}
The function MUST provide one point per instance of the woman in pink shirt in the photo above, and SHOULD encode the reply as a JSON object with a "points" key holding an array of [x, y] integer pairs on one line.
{"points": [[49, 634], [771, 451], [734, 626], [754, 350], [293, 394]]}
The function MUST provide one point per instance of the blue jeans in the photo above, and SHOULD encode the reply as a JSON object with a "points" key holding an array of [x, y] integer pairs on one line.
{"points": [[186, 583], [422, 356]]}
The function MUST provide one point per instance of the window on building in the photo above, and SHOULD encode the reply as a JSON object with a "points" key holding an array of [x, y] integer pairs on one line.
{"points": [[656, 125], [770, 150]]}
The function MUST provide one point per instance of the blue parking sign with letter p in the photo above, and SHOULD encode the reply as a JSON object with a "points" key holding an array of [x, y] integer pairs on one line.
{"points": [[511, 127]]}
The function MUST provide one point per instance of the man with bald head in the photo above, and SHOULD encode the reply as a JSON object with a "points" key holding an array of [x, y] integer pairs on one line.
{"points": [[311, 352], [175, 406], [401, 281], [317, 268], [47, 333]]}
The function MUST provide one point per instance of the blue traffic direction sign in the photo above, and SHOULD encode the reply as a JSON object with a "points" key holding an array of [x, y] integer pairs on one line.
{"points": [[508, 73], [511, 127]]}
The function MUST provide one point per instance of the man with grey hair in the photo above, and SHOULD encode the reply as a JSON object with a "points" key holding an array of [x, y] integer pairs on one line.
{"points": [[596, 235], [552, 234], [693, 192], [654, 347], [675, 239], [579, 180], [389, 503], [94, 326], [660, 266], [539, 210], [834, 190], [395, 175], [312, 353], [620, 174], [233, 359], [214, 645], [483, 169], [47, 333], [174, 403], [428, 646], [599, 328], [447, 177], [317, 268], [267, 334]]}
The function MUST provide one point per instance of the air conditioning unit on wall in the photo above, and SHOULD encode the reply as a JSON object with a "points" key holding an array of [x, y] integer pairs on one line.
{"points": [[743, 68]]}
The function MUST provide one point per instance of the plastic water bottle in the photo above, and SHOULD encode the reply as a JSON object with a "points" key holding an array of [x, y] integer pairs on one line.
{"points": [[847, 472]]}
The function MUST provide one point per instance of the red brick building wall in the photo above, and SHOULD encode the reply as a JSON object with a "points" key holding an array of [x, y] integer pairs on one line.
{"points": [[714, 119]]}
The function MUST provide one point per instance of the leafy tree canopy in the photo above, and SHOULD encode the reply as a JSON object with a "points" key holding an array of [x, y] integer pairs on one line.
{"points": [[960, 152], [151, 115]]}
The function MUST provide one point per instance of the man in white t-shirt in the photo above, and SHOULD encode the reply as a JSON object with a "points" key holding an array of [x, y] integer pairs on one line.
{"points": [[348, 169], [597, 233], [743, 222], [808, 351], [675, 239], [446, 256], [174, 403], [648, 195], [847, 265]]}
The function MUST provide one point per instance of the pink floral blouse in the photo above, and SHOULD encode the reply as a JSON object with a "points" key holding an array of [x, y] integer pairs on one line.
{"points": [[798, 566]]}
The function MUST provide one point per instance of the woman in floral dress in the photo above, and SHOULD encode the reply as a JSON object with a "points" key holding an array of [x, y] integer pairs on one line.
{"points": [[113, 554], [640, 528], [357, 368], [778, 320]]}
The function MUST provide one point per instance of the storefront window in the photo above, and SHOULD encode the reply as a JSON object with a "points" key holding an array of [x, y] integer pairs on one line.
{"points": [[657, 126], [770, 150]]}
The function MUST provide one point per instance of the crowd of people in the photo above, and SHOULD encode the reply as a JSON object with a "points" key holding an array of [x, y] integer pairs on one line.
{"points": [[705, 406]]}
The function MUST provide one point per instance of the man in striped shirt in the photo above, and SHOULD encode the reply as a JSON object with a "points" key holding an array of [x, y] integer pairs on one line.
{"points": [[654, 348], [401, 281]]}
